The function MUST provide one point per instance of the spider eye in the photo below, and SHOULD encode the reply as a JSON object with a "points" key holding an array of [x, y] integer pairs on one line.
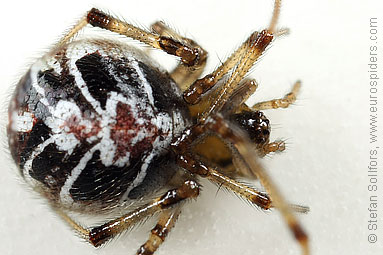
{"points": [[255, 124]]}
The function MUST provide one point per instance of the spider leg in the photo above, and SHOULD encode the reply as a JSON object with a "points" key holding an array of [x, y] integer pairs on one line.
{"points": [[246, 151], [73, 32], [256, 45], [194, 93], [239, 63], [190, 54], [160, 28], [195, 166], [247, 87], [182, 75], [284, 102], [276, 146], [238, 138], [166, 222], [80, 230], [100, 234]]}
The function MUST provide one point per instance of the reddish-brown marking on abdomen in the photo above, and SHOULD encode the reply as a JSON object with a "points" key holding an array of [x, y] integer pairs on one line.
{"points": [[127, 128], [79, 131]]}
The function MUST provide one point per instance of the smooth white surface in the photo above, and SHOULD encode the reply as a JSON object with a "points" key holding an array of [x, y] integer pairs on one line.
{"points": [[323, 167]]}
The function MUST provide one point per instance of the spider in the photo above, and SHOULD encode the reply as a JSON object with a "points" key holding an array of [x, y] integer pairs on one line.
{"points": [[96, 125]]}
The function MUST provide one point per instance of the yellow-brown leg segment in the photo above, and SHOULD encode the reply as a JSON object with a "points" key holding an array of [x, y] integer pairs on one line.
{"points": [[276, 146], [196, 166], [164, 204], [194, 93], [101, 234], [162, 29], [190, 56], [72, 32], [182, 75], [166, 222], [284, 102], [256, 45], [80, 230]]}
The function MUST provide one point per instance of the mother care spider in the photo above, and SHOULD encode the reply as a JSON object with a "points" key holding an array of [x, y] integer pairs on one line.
{"points": [[96, 125]]}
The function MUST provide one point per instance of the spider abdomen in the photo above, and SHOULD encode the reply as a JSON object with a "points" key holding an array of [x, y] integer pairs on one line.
{"points": [[89, 119]]}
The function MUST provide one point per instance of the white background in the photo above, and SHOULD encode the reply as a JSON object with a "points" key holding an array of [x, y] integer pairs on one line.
{"points": [[324, 166]]}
